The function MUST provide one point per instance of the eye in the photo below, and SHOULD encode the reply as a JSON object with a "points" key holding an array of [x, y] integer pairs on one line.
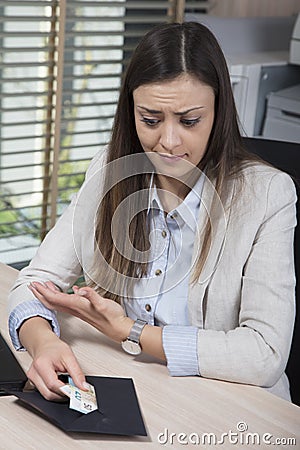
{"points": [[150, 122], [190, 122]]}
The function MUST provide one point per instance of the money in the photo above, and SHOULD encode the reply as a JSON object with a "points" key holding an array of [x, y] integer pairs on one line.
{"points": [[82, 401], [66, 389]]}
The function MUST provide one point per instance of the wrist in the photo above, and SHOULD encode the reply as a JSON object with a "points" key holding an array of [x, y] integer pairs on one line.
{"points": [[127, 324], [35, 333]]}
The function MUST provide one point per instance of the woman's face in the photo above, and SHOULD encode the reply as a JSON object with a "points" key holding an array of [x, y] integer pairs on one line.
{"points": [[174, 120]]}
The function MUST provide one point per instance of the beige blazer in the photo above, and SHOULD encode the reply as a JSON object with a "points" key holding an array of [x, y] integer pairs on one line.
{"points": [[244, 301]]}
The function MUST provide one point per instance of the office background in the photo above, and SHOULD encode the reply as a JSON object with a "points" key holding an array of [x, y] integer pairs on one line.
{"points": [[60, 69]]}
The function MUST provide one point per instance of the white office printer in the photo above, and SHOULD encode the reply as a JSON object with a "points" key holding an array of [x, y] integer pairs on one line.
{"points": [[283, 112], [295, 43]]}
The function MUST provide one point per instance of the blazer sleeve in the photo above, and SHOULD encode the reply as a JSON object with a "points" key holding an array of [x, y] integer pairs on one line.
{"points": [[256, 351], [57, 259]]}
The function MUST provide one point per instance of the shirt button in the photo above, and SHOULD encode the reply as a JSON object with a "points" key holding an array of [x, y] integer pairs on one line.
{"points": [[148, 307], [158, 272], [174, 215], [164, 233]]}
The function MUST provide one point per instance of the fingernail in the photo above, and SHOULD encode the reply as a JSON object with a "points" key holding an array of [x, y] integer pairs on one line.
{"points": [[86, 385]]}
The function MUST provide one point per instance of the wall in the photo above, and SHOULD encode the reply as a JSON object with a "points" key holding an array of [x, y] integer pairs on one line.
{"points": [[255, 8]]}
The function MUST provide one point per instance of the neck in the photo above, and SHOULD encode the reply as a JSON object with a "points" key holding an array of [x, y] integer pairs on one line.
{"points": [[173, 191]]}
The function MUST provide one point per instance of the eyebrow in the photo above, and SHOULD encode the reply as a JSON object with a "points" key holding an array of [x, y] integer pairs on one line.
{"points": [[179, 113]]}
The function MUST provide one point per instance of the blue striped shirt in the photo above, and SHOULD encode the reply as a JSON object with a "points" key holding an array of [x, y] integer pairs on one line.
{"points": [[172, 239]]}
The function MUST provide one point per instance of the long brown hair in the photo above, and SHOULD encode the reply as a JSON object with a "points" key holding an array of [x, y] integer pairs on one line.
{"points": [[166, 52]]}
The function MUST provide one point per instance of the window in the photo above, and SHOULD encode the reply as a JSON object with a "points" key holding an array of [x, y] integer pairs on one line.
{"points": [[60, 69]]}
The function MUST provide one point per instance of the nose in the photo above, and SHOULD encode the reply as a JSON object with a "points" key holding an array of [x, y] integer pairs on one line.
{"points": [[170, 136]]}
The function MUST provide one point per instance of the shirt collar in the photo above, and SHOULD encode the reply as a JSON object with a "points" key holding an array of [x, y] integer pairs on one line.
{"points": [[188, 210]]}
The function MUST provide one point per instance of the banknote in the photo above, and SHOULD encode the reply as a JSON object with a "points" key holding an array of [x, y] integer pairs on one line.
{"points": [[82, 401]]}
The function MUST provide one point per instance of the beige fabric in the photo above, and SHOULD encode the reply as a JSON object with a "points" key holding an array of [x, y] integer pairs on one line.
{"points": [[245, 308]]}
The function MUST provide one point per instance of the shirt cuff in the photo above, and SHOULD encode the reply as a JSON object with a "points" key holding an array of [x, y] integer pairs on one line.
{"points": [[25, 311], [180, 347]]}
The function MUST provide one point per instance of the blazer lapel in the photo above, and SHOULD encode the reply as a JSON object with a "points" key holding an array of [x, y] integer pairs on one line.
{"points": [[219, 212]]}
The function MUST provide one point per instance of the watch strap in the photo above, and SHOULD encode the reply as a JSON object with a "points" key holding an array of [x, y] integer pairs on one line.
{"points": [[136, 330]]}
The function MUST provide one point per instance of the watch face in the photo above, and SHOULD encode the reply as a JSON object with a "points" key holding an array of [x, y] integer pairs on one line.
{"points": [[131, 347]]}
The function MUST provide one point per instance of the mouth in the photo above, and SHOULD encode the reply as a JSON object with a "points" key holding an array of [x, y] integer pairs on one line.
{"points": [[171, 158]]}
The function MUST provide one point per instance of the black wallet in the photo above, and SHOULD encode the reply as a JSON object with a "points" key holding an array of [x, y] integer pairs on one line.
{"points": [[12, 376], [118, 409]]}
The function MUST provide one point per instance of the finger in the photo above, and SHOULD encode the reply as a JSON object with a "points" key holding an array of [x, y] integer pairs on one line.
{"points": [[50, 388], [39, 296], [43, 373], [43, 288], [75, 288], [75, 372], [90, 294], [52, 286], [53, 297]]}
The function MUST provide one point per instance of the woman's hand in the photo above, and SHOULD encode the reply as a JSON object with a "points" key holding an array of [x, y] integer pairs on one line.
{"points": [[102, 313], [50, 357]]}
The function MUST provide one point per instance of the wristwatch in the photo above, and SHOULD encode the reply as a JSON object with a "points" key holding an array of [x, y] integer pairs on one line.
{"points": [[132, 344]]}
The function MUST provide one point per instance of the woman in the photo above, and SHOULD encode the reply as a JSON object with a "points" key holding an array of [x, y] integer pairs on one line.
{"points": [[191, 256]]}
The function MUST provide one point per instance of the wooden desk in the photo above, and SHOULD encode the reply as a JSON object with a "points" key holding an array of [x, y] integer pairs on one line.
{"points": [[189, 405]]}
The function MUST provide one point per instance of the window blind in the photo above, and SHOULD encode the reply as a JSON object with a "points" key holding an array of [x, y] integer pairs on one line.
{"points": [[60, 70], [27, 35]]}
